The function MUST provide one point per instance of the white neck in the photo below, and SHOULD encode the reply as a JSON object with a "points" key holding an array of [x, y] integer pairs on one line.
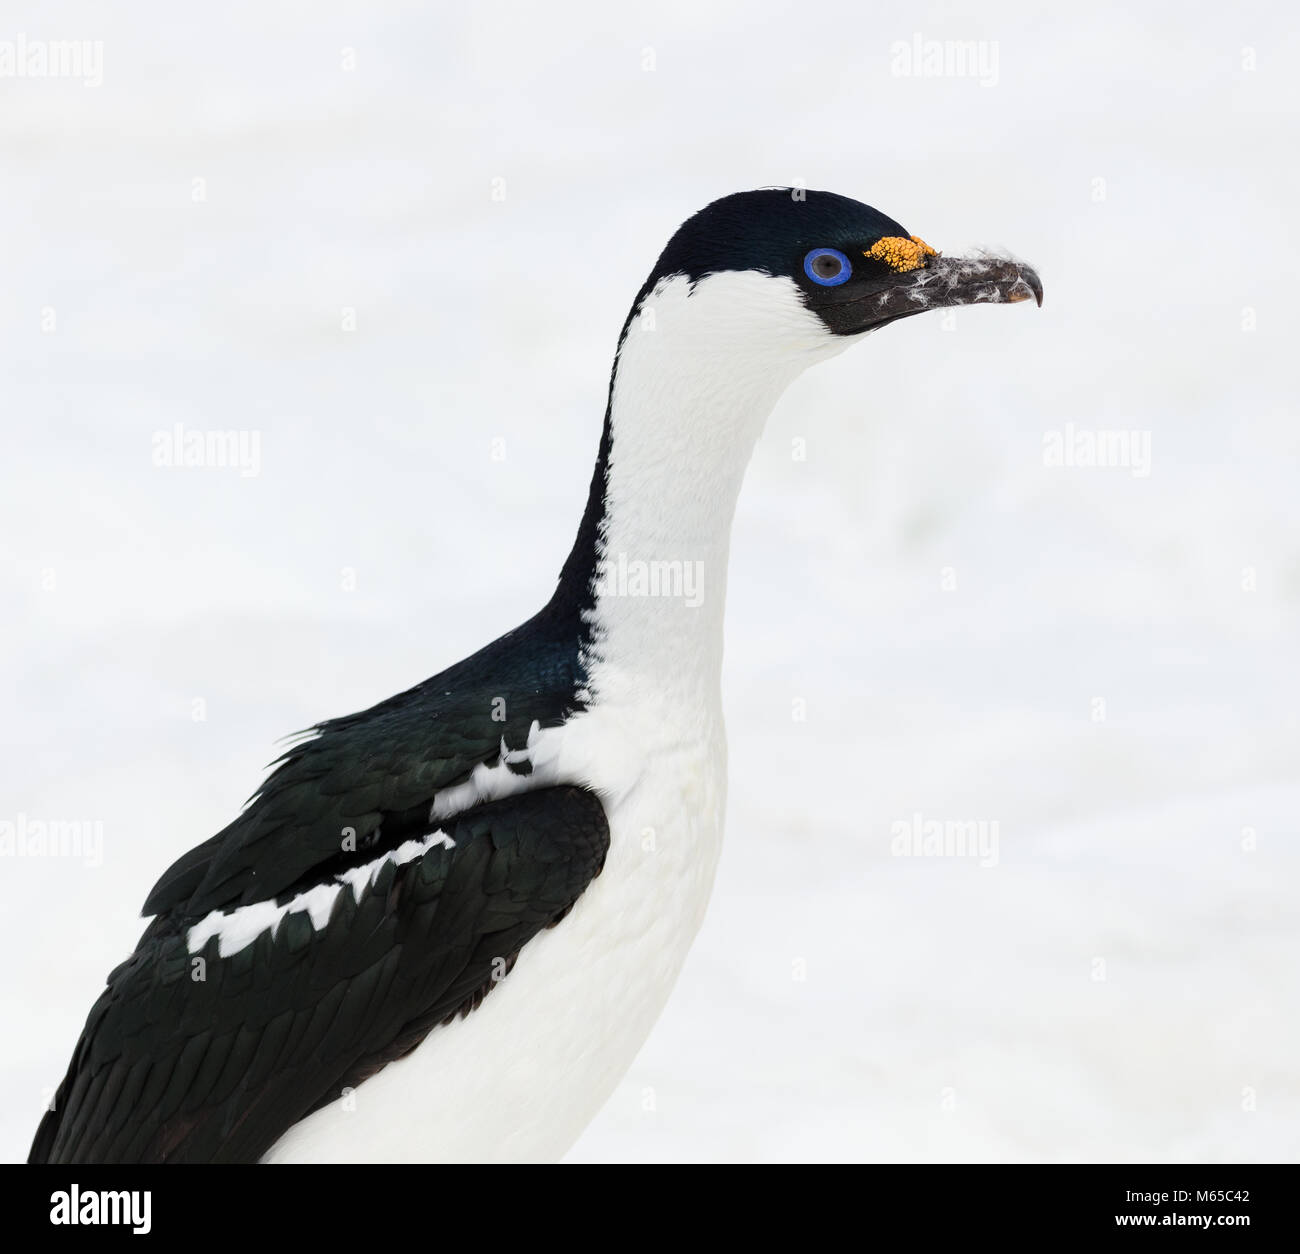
{"points": [[700, 369]]}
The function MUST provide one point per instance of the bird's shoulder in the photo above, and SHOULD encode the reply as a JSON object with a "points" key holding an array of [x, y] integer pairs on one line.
{"points": [[366, 781]]}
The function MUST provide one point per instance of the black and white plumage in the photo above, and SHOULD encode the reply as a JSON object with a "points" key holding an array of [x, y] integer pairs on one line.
{"points": [[539, 822]]}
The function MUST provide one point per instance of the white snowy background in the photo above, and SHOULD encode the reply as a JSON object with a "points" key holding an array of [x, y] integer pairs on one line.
{"points": [[949, 610]]}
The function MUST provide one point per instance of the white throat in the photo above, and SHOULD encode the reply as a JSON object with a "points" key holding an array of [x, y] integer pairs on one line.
{"points": [[700, 369]]}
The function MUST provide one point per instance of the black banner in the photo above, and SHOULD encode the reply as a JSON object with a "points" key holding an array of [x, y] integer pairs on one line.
{"points": [[981, 1203]]}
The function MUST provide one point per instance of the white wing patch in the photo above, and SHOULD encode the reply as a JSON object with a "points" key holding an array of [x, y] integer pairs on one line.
{"points": [[491, 783], [238, 928]]}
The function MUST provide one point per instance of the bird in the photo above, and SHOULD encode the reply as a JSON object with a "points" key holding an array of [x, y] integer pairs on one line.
{"points": [[442, 927]]}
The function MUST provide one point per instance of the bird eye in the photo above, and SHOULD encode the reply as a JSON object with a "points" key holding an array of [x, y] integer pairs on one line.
{"points": [[827, 267]]}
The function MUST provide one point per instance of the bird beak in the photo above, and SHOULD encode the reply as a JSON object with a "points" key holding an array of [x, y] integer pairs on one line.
{"points": [[947, 281]]}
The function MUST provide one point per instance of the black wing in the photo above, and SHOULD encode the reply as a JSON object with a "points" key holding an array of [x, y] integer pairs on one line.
{"points": [[172, 1068]]}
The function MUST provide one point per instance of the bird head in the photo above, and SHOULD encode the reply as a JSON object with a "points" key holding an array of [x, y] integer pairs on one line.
{"points": [[788, 270]]}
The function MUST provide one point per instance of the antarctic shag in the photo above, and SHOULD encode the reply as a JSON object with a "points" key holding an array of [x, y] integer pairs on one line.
{"points": [[444, 926]]}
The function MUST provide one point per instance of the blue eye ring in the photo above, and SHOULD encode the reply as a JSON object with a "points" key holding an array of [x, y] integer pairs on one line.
{"points": [[825, 280]]}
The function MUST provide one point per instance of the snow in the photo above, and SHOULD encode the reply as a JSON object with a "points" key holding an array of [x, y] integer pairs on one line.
{"points": [[923, 614]]}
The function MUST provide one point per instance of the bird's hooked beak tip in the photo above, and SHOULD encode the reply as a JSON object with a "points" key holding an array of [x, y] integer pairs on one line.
{"points": [[1028, 287]]}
